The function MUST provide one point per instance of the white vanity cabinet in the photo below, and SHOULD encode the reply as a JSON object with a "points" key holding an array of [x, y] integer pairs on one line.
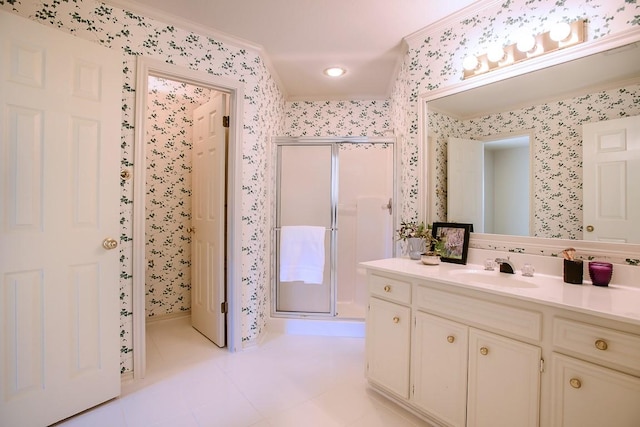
{"points": [[439, 368], [504, 381], [584, 392], [388, 334], [539, 354], [463, 375]]}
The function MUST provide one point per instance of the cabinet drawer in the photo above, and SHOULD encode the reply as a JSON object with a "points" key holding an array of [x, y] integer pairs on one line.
{"points": [[391, 289], [485, 314], [597, 343]]}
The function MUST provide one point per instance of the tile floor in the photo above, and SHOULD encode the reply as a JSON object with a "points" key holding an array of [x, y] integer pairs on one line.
{"points": [[288, 380]]}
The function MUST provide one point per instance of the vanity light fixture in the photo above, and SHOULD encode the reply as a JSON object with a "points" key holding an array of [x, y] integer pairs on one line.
{"points": [[526, 43], [560, 36], [560, 32], [495, 53], [470, 63], [335, 71]]}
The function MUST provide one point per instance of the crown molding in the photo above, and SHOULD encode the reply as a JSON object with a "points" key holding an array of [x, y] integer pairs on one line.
{"points": [[191, 26]]}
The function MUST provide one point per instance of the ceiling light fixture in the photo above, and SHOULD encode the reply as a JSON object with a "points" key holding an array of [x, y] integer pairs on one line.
{"points": [[335, 71], [558, 37]]}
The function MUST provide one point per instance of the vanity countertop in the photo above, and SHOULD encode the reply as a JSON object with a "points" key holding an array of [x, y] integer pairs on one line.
{"points": [[616, 302]]}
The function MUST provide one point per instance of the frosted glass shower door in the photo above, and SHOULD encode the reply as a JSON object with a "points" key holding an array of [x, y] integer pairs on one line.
{"points": [[305, 193]]}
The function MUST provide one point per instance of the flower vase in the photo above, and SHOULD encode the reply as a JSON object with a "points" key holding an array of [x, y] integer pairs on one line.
{"points": [[415, 247]]}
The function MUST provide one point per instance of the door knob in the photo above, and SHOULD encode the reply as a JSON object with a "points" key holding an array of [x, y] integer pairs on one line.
{"points": [[109, 243], [484, 351], [590, 228]]}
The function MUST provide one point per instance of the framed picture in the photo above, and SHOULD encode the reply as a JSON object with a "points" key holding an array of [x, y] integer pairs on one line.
{"points": [[455, 240]]}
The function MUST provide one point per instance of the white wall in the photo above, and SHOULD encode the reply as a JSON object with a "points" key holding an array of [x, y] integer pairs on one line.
{"points": [[511, 191]]}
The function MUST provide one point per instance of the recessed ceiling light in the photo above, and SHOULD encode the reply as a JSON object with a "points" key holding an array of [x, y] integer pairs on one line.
{"points": [[335, 71]]}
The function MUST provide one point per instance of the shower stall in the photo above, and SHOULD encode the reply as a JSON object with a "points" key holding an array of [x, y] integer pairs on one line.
{"points": [[334, 208]]}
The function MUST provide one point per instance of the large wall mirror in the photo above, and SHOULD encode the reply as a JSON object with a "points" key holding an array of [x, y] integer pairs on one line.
{"points": [[554, 107]]}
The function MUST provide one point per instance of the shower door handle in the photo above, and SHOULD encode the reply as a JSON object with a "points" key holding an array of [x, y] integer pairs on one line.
{"points": [[389, 206]]}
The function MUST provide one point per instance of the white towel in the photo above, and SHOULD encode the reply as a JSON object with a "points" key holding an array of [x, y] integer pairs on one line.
{"points": [[302, 254]]}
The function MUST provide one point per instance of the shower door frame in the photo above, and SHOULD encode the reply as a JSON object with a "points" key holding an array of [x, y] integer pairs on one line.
{"points": [[334, 142]]}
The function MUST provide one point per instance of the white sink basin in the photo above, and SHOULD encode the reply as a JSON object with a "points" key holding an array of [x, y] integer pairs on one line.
{"points": [[493, 278]]}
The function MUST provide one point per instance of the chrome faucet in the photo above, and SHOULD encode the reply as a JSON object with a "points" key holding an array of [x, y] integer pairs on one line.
{"points": [[506, 266]]}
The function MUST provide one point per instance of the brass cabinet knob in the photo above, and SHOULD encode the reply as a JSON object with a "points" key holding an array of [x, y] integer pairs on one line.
{"points": [[451, 338], [590, 228], [601, 345], [396, 319], [484, 351], [387, 288], [575, 383], [109, 243]]}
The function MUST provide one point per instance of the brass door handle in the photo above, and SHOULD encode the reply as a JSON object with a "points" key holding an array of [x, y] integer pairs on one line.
{"points": [[109, 243], [575, 383], [484, 351], [601, 345], [387, 288], [396, 319], [590, 228], [451, 338]]}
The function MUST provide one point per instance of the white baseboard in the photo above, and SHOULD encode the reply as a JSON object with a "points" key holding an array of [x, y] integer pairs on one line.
{"points": [[333, 328]]}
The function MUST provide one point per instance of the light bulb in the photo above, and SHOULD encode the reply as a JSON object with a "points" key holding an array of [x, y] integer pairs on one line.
{"points": [[495, 53], [560, 32], [335, 71], [470, 63], [526, 43]]}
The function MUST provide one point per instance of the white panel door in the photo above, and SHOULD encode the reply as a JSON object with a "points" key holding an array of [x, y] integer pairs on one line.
{"points": [[208, 219], [465, 177], [611, 173], [439, 368], [504, 381], [388, 345], [59, 309]]}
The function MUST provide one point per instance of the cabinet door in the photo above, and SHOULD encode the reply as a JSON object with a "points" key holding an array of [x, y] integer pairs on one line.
{"points": [[388, 335], [504, 381], [587, 395], [439, 368]]}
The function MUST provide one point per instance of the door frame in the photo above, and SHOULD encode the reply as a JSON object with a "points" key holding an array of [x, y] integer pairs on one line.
{"points": [[235, 90]]}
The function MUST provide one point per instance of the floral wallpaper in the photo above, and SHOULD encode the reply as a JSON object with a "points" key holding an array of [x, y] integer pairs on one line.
{"points": [[434, 60], [170, 108], [263, 108], [557, 148], [337, 118]]}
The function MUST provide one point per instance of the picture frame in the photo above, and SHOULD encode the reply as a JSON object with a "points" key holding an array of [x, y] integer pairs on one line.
{"points": [[456, 240]]}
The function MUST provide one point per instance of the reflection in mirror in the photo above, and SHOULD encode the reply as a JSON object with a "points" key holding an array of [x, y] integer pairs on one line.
{"points": [[488, 184], [555, 114]]}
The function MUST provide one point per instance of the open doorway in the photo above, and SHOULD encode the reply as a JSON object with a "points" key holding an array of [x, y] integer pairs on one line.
{"points": [[186, 146], [507, 185], [194, 86]]}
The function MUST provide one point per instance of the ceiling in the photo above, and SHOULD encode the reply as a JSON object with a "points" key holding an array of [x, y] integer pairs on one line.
{"points": [[301, 38]]}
